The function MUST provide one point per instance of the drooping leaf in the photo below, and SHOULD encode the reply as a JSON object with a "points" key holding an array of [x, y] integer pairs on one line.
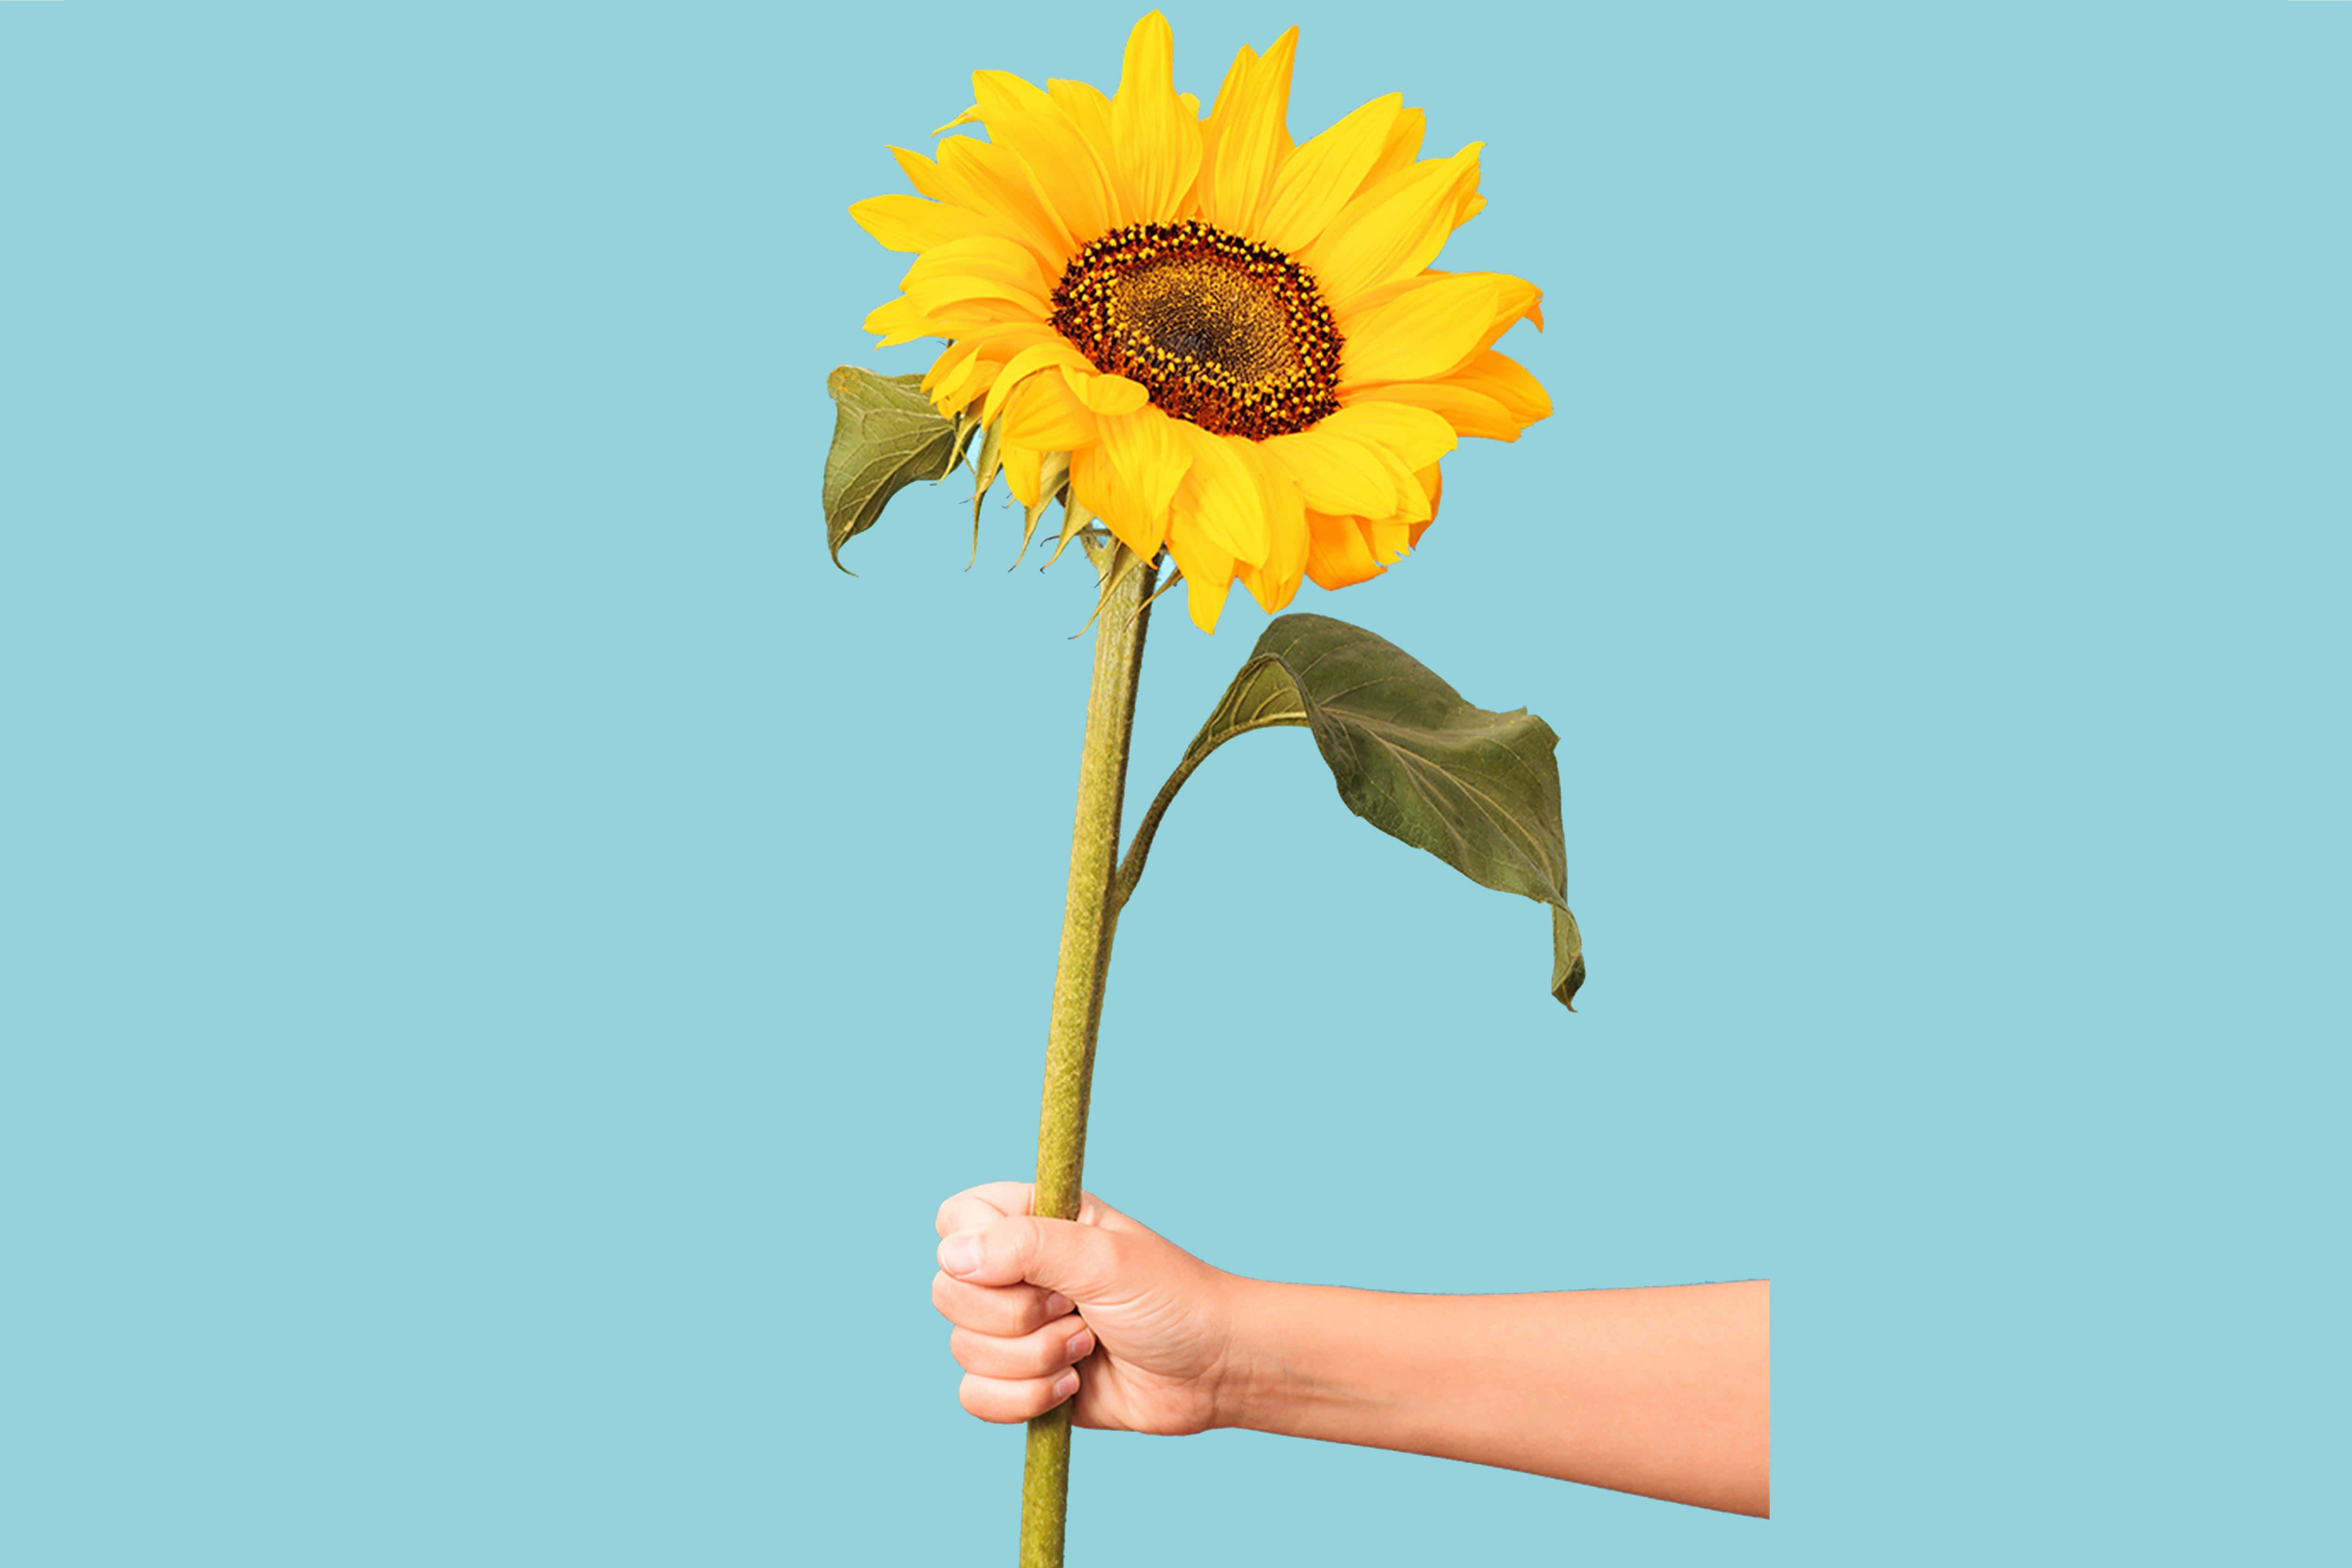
{"points": [[1479, 790], [986, 464], [886, 436], [1075, 520], [1566, 957], [1053, 481]]}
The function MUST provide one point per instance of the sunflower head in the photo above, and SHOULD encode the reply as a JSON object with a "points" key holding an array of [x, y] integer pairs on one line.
{"points": [[1220, 343]]}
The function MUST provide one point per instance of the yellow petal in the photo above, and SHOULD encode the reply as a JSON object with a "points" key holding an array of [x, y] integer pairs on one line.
{"points": [[1002, 340], [1155, 141], [1391, 541], [1415, 435], [1401, 148], [965, 317], [1247, 137], [899, 323], [1427, 330], [1411, 503], [1273, 593], [954, 387], [1153, 460], [981, 268], [1364, 302], [953, 377], [1432, 483], [1044, 413], [1337, 554], [1333, 474], [993, 181], [1106, 393], [1021, 467], [1219, 495], [1099, 486], [1318, 179], [1231, 87], [1272, 582], [938, 291], [1369, 454], [911, 223], [1394, 229], [986, 256], [1042, 354], [1208, 570], [969, 366], [1507, 380], [1521, 301], [1470, 412], [1490, 395], [924, 174], [951, 364], [1029, 122], [1090, 110], [1107, 488]]}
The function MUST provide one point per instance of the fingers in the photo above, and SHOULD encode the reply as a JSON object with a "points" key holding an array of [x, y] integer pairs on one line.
{"points": [[1016, 1399], [1000, 1309], [1079, 1260], [1007, 1280], [976, 1206], [1042, 1353]]}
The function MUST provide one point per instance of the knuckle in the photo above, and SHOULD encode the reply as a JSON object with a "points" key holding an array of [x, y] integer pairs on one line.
{"points": [[980, 1399], [1108, 1254], [1004, 1317]]}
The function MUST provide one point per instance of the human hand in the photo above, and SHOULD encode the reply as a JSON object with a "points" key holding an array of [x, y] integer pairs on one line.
{"points": [[1663, 1392], [1147, 1325]]}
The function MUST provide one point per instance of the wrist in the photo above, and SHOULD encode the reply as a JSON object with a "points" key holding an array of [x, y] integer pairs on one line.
{"points": [[1253, 1374]]}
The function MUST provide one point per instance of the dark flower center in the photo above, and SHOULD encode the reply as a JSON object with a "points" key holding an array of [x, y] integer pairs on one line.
{"points": [[1222, 330]]}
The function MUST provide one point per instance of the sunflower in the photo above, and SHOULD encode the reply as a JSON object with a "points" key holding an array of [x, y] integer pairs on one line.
{"points": [[1217, 341]]}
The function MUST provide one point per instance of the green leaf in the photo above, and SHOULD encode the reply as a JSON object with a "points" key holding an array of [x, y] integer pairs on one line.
{"points": [[986, 464], [1566, 957], [1479, 790], [1053, 479], [886, 436]]}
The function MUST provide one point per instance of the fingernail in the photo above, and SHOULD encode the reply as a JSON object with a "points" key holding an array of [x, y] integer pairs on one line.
{"points": [[960, 1254], [1082, 1344], [1056, 1304], [1066, 1386]]}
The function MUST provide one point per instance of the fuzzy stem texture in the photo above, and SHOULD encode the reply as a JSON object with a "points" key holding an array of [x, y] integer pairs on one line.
{"points": [[1087, 919]]}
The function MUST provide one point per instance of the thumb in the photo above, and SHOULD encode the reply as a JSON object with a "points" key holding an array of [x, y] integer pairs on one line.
{"points": [[1078, 1260]]}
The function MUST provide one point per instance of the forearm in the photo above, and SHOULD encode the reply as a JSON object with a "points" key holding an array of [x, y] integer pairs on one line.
{"points": [[1663, 1391]]}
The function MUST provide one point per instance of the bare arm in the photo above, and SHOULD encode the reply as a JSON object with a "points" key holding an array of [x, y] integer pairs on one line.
{"points": [[1664, 1392]]}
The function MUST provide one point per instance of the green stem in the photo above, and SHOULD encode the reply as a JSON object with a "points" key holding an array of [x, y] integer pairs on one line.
{"points": [[1087, 919]]}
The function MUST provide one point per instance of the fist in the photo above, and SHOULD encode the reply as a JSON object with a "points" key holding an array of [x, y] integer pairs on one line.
{"points": [[1101, 1308]]}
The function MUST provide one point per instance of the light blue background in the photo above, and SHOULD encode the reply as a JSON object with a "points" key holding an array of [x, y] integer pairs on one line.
{"points": [[506, 948]]}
